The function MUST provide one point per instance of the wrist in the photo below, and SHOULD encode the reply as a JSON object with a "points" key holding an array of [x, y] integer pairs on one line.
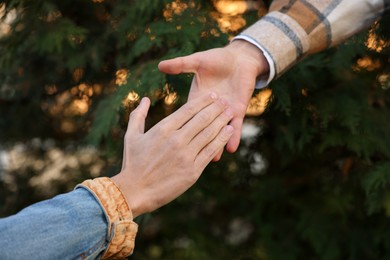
{"points": [[130, 193], [251, 53], [121, 227]]}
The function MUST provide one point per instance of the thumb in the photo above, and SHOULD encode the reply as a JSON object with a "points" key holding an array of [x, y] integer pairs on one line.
{"points": [[138, 116], [186, 64]]}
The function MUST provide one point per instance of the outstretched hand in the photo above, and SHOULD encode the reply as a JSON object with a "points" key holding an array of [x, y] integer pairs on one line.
{"points": [[164, 162], [230, 71]]}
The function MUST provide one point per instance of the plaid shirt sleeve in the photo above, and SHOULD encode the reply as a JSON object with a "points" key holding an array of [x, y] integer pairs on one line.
{"points": [[294, 29]]}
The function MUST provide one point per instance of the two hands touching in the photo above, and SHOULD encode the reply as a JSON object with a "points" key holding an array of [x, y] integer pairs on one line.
{"points": [[161, 164], [230, 71]]}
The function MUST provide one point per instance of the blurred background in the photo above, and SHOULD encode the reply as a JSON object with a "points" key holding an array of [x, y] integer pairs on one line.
{"points": [[311, 177]]}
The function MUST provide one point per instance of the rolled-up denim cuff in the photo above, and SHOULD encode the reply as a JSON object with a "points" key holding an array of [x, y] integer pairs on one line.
{"points": [[121, 227]]}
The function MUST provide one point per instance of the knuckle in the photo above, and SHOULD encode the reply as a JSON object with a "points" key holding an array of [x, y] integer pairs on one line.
{"points": [[189, 109], [162, 130], [226, 117], [207, 133], [223, 137], [209, 151], [134, 113], [204, 118]]}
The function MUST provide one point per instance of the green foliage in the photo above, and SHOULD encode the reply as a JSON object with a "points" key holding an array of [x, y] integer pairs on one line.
{"points": [[376, 185], [314, 181], [49, 41]]}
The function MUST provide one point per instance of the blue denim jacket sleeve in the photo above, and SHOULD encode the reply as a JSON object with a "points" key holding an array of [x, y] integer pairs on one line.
{"points": [[68, 226]]}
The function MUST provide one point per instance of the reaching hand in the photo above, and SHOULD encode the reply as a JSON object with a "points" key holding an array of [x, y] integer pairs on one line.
{"points": [[231, 72], [164, 162]]}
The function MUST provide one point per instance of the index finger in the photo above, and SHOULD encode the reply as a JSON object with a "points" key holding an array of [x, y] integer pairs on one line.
{"points": [[181, 116]]}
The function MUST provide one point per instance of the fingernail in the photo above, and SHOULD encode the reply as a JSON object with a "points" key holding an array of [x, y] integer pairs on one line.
{"points": [[228, 129], [213, 95], [229, 112]]}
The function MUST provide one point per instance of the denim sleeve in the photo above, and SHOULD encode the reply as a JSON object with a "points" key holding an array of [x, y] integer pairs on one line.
{"points": [[68, 226]]}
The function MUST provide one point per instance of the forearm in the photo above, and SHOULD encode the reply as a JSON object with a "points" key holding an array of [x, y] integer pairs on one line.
{"points": [[294, 29], [90, 222], [68, 226]]}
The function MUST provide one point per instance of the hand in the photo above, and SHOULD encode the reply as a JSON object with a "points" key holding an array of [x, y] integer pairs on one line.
{"points": [[164, 162], [231, 72]]}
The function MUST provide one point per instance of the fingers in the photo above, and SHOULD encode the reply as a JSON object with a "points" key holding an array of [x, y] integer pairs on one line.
{"points": [[189, 110], [218, 156], [204, 119], [234, 141], [187, 64], [137, 117], [211, 150], [210, 131]]}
